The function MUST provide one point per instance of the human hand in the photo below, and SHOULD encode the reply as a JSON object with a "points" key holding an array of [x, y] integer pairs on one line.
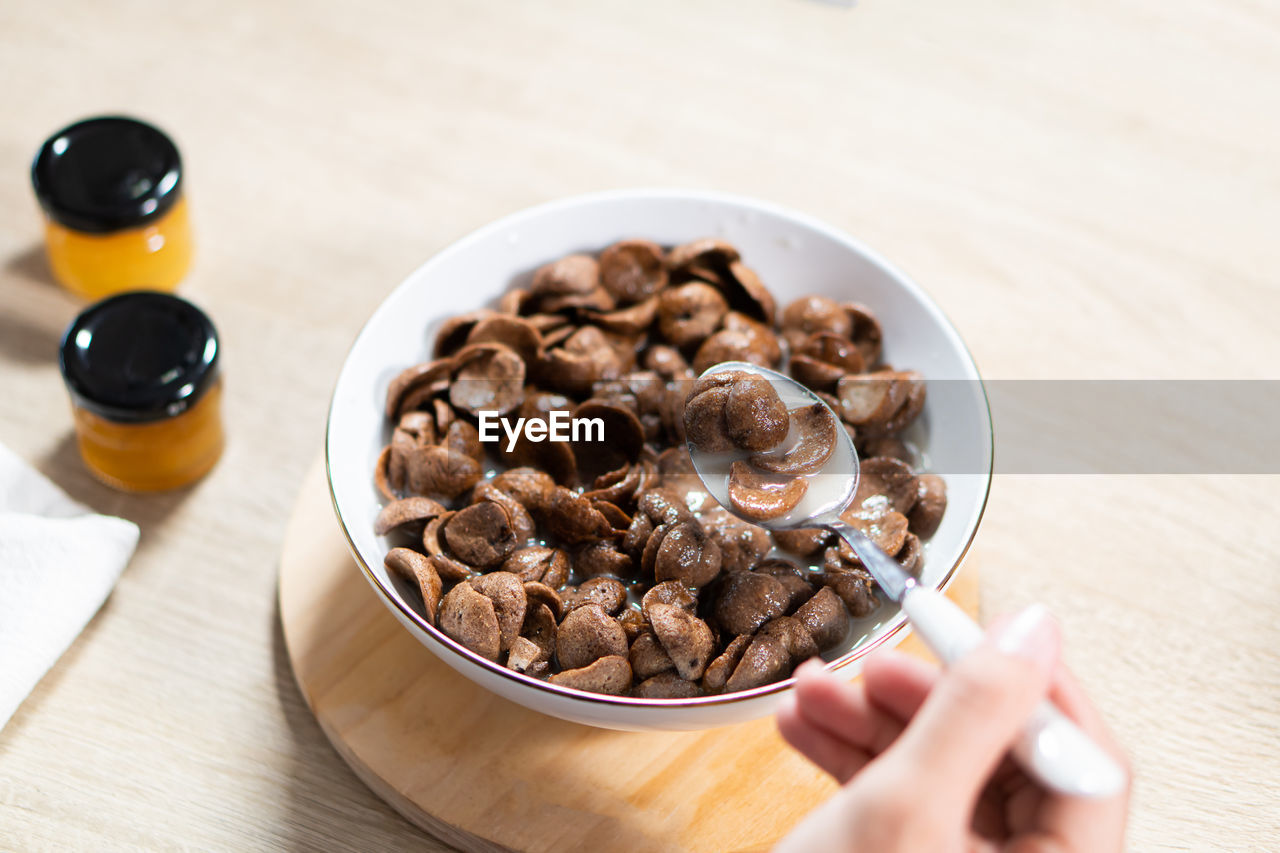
{"points": [[922, 753]]}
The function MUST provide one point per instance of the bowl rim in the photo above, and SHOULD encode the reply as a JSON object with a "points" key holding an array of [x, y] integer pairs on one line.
{"points": [[405, 612]]}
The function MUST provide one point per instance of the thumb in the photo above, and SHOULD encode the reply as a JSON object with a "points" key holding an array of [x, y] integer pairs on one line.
{"points": [[978, 707]]}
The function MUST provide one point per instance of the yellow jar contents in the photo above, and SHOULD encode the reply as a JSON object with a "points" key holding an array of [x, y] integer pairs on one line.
{"points": [[156, 255], [115, 216], [142, 371], [147, 457]]}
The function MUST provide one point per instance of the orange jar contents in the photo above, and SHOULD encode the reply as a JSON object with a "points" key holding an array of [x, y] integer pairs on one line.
{"points": [[115, 216], [146, 391]]}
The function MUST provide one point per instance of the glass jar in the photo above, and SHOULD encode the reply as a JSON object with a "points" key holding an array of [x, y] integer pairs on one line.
{"points": [[115, 216], [146, 390]]}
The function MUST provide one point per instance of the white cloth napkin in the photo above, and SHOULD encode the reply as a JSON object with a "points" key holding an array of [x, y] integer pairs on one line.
{"points": [[58, 563]]}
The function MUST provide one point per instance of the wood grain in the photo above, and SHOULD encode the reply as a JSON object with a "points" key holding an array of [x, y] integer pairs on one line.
{"points": [[1087, 189], [517, 779]]}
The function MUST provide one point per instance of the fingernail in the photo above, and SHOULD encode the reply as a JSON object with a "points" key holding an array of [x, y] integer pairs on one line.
{"points": [[1030, 635], [812, 665]]}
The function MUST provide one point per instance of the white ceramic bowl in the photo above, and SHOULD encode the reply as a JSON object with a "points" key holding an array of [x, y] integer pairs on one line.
{"points": [[794, 255]]}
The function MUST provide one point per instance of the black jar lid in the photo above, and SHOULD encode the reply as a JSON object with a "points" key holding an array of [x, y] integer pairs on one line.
{"points": [[140, 356], [105, 174]]}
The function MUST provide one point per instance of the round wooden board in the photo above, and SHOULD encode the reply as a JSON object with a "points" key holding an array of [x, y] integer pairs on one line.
{"points": [[482, 773]]}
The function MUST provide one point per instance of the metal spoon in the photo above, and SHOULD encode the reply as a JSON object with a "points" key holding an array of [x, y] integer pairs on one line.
{"points": [[1052, 748]]}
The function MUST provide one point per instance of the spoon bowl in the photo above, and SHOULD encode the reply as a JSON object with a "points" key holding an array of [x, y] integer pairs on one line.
{"points": [[830, 490]]}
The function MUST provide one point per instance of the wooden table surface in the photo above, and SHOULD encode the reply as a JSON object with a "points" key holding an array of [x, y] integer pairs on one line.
{"points": [[1088, 189]]}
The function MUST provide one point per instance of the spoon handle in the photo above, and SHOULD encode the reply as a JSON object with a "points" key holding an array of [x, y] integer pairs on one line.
{"points": [[1052, 748]]}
